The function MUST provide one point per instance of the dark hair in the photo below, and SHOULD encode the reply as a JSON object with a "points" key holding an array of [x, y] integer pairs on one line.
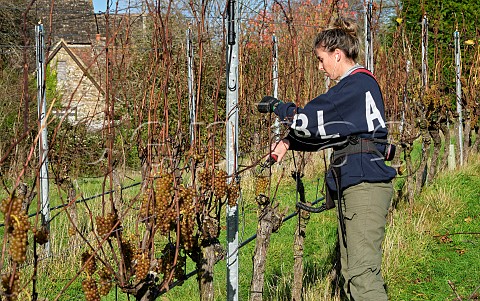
{"points": [[342, 35]]}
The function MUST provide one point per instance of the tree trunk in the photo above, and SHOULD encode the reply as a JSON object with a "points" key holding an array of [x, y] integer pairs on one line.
{"points": [[269, 221], [410, 179], [422, 169], [466, 141], [446, 132], [298, 246], [437, 144], [476, 146], [205, 269]]}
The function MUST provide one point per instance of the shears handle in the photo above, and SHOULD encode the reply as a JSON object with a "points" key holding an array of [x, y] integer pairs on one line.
{"points": [[272, 159]]}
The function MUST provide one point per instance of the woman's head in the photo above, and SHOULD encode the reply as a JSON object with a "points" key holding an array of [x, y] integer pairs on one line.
{"points": [[341, 35], [336, 48]]}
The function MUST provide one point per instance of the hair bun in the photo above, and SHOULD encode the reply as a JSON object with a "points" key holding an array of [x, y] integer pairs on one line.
{"points": [[347, 25]]}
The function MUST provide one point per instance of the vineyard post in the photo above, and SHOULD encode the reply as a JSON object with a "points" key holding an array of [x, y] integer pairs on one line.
{"points": [[42, 142], [459, 94], [276, 125], [368, 36], [232, 147], [424, 52], [191, 92]]}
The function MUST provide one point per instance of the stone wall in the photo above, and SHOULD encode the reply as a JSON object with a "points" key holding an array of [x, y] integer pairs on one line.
{"points": [[81, 100]]}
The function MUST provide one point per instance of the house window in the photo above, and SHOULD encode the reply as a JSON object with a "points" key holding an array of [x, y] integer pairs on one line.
{"points": [[61, 71]]}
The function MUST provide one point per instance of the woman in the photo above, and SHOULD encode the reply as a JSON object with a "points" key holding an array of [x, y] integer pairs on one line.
{"points": [[350, 117]]}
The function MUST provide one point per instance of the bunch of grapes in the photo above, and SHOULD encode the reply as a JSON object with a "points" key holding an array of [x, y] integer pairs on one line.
{"points": [[187, 200], [17, 227], [187, 227], [233, 193], [128, 250], [163, 202], [165, 262], [13, 201], [10, 292], [105, 283], [90, 289], [205, 179], [105, 225], [197, 157], [187, 212], [261, 185], [142, 265], [213, 155], [18, 238], [41, 235], [89, 262], [220, 183]]}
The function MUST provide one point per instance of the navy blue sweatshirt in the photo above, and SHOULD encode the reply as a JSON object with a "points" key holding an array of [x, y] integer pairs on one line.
{"points": [[354, 106]]}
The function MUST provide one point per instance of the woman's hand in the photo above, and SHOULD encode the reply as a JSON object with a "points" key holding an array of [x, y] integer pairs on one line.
{"points": [[279, 149]]}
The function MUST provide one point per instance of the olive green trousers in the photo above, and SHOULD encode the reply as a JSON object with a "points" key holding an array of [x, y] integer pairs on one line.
{"points": [[365, 208]]}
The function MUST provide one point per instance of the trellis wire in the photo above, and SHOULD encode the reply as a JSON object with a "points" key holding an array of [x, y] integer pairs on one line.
{"points": [[82, 200]]}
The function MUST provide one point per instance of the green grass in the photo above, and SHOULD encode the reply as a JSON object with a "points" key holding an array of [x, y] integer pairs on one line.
{"points": [[438, 243]]}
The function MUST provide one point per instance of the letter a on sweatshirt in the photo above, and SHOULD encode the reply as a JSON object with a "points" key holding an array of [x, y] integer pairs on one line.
{"points": [[372, 112]]}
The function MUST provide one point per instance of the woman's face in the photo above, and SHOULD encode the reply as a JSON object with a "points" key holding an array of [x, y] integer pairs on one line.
{"points": [[327, 62]]}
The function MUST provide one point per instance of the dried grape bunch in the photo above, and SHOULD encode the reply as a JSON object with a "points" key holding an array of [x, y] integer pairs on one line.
{"points": [[165, 262], [220, 183], [90, 289], [14, 202], [188, 214], [142, 265], [187, 199], [18, 237], [261, 185], [41, 235], [11, 292], [17, 226], [187, 228], [164, 210], [214, 155], [89, 262], [205, 179], [105, 283], [105, 225], [128, 252], [233, 193], [197, 157]]}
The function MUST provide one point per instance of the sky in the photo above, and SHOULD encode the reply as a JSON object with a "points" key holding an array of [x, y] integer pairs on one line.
{"points": [[101, 5]]}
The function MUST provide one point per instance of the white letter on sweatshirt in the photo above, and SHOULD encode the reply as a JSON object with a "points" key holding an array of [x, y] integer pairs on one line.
{"points": [[371, 112], [301, 130]]}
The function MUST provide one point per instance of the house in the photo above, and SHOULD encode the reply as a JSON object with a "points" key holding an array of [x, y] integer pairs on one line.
{"points": [[76, 41]]}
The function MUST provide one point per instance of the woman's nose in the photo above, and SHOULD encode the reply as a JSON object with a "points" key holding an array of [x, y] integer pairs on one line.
{"points": [[320, 66]]}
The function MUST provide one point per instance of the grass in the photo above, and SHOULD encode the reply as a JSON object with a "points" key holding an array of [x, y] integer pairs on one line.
{"points": [[429, 244], [438, 242]]}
